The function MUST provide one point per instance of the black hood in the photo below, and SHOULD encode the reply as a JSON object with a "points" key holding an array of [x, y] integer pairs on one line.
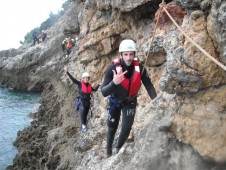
{"points": [[129, 69]]}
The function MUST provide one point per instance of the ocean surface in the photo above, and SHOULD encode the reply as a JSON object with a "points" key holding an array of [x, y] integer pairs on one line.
{"points": [[14, 110]]}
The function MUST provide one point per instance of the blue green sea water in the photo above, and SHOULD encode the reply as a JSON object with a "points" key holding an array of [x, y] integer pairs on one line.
{"points": [[15, 107]]}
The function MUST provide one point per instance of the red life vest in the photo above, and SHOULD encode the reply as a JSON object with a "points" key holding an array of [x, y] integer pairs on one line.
{"points": [[69, 45], [85, 89], [134, 83]]}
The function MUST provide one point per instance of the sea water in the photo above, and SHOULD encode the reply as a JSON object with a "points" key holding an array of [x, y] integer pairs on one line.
{"points": [[14, 110]]}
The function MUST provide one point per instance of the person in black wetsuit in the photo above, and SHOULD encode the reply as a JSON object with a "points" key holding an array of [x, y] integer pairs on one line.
{"points": [[83, 101], [35, 37], [122, 81]]}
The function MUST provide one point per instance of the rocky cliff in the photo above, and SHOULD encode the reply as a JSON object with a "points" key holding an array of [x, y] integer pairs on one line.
{"points": [[183, 128]]}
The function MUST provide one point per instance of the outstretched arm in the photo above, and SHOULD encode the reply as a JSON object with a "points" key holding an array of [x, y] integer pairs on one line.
{"points": [[70, 76], [95, 89]]}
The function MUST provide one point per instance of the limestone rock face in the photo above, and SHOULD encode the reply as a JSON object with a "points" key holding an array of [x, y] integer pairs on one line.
{"points": [[183, 128], [123, 6], [216, 28], [200, 121]]}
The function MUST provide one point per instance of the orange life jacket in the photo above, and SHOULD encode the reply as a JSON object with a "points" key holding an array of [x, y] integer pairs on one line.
{"points": [[85, 89], [69, 45], [133, 84]]}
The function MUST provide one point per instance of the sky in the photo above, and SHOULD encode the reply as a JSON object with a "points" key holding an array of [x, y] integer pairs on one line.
{"points": [[18, 17]]}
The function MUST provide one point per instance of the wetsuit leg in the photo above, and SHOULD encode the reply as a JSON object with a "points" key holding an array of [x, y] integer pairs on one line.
{"points": [[37, 40], [83, 113], [68, 51], [63, 47], [34, 41], [113, 121], [128, 114]]}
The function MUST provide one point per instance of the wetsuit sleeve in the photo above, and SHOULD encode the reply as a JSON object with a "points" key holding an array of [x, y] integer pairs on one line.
{"points": [[95, 89], [147, 83], [73, 79], [108, 85]]}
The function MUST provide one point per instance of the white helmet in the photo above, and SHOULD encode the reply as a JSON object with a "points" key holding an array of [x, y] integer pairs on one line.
{"points": [[85, 74], [127, 45]]}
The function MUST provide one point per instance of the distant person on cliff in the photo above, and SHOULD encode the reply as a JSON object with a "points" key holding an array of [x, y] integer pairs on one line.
{"points": [[121, 83], [43, 36], [35, 37], [83, 101], [70, 45], [63, 44]]}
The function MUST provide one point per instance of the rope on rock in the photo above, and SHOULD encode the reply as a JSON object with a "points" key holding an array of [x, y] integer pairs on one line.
{"points": [[145, 62], [181, 30], [193, 42]]}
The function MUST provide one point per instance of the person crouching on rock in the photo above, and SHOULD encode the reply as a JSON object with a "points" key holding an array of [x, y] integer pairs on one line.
{"points": [[83, 101]]}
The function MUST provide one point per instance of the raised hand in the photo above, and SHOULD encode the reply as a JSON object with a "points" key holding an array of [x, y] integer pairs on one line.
{"points": [[118, 77]]}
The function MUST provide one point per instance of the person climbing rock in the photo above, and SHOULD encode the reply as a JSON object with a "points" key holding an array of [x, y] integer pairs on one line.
{"points": [[122, 81], [43, 36], [83, 101], [63, 44], [70, 45]]}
